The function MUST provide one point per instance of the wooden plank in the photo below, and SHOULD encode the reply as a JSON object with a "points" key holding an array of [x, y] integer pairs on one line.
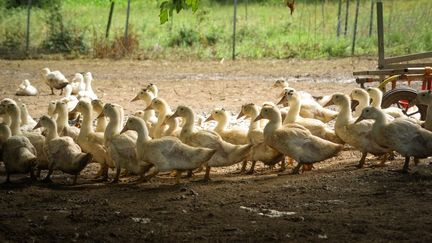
{"points": [[407, 65], [408, 57], [390, 72]]}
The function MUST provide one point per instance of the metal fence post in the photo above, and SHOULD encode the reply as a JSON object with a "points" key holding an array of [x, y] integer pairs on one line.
{"points": [[109, 19], [346, 17], [380, 30], [127, 24], [355, 27], [234, 30], [339, 18], [28, 26], [371, 18]]}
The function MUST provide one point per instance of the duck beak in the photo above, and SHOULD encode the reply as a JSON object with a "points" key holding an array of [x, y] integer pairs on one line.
{"points": [[329, 103], [281, 101], [174, 115], [124, 130], [259, 117], [359, 119], [135, 99], [74, 110], [282, 94], [210, 118], [240, 115], [102, 114], [38, 125], [150, 107]]}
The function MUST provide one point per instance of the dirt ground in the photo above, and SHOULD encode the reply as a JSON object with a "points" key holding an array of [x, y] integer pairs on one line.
{"points": [[335, 201]]}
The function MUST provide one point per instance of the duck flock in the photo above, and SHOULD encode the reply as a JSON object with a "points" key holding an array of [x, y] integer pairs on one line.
{"points": [[79, 129]]}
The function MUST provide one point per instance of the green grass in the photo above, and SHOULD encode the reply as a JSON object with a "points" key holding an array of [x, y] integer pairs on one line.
{"points": [[268, 32]]}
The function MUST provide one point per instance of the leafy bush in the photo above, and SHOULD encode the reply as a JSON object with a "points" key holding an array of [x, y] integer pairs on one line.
{"points": [[13, 39], [185, 37], [35, 3], [61, 37], [117, 48]]}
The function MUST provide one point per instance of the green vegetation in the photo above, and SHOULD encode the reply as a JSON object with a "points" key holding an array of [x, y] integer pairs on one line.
{"points": [[269, 31]]}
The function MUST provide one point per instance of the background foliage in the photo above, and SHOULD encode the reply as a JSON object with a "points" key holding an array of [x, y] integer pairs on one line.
{"points": [[266, 30]]}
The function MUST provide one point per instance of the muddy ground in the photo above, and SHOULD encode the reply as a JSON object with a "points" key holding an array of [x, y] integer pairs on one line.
{"points": [[335, 201]]}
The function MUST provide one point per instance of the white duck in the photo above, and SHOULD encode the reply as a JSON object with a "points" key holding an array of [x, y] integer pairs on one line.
{"points": [[92, 142], [54, 79], [358, 134], [51, 108], [62, 152], [26, 89], [425, 98], [63, 127], [88, 92], [27, 122], [162, 108], [226, 153], [376, 95], [311, 109], [101, 121], [363, 99], [6, 118], [173, 126], [17, 153], [121, 147], [14, 112], [77, 83], [315, 126], [71, 100], [400, 135], [167, 153], [260, 151], [149, 115], [294, 140], [234, 135]]}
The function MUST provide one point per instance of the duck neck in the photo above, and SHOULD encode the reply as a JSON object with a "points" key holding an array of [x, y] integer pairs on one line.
{"points": [[294, 111], [274, 123], [380, 121], [187, 128], [222, 123], [15, 116], [24, 116], [62, 120], [6, 119], [344, 116], [51, 128], [172, 126], [253, 124], [376, 100], [112, 129], [86, 127], [5, 133], [142, 133]]}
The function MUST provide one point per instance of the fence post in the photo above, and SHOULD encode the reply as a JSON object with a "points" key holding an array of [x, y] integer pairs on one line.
{"points": [[339, 18], [246, 9], [127, 25], [109, 19], [346, 17], [380, 30], [355, 27], [371, 17], [28, 26], [234, 30]]}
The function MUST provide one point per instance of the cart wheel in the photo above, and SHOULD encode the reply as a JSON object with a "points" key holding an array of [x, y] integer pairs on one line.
{"points": [[400, 97]]}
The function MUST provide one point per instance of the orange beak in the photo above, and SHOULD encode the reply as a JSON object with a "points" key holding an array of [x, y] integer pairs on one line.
{"points": [[210, 118]]}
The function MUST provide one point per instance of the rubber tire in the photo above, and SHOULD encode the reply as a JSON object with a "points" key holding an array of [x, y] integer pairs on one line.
{"points": [[402, 93]]}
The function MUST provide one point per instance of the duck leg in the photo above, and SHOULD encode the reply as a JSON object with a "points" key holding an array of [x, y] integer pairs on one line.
{"points": [[283, 166], [75, 179], [416, 161], [252, 168], [405, 167], [7, 178], [152, 174], [362, 160], [296, 169], [384, 159], [52, 91], [207, 174], [178, 176], [32, 175], [48, 176], [243, 168], [117, 175]]}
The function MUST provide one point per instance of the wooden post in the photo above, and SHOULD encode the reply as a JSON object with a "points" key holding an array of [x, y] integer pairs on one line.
{"points": [[109, 19], [127, 25], [346, 17], [355, 27], [339, 18], [371, 18], [380, 30], [234, 30], [28, 26]]}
